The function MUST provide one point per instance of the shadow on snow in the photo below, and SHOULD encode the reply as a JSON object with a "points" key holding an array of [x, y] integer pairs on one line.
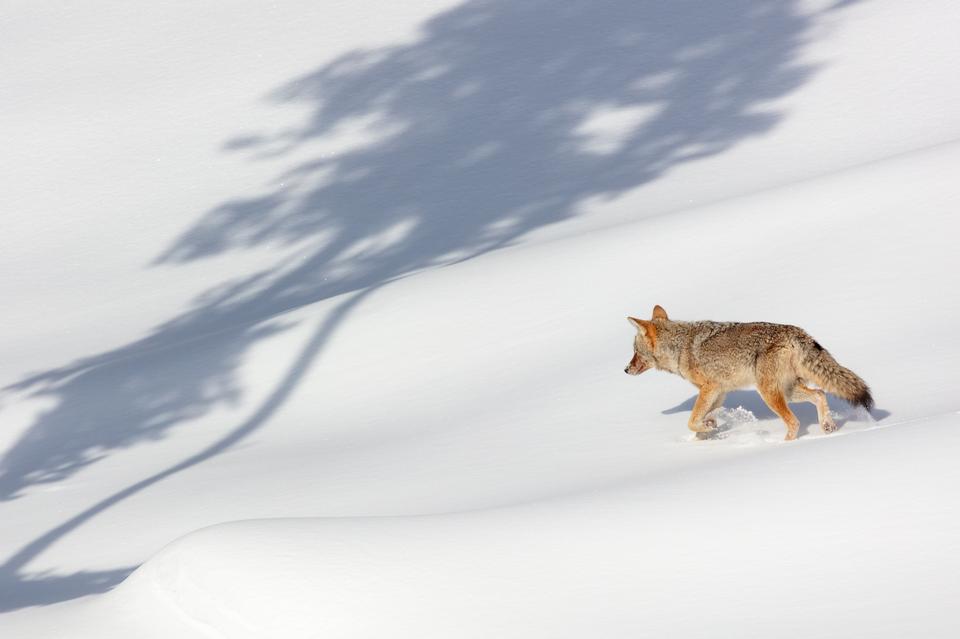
{"points": [[499, 119], [805, 411]]}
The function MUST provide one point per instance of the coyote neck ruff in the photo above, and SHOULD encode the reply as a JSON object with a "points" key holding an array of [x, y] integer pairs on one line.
{"points": [[717, 357]]}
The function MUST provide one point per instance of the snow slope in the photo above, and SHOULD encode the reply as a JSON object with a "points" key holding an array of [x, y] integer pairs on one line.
{"points": [[401, 319], [786, 543]]}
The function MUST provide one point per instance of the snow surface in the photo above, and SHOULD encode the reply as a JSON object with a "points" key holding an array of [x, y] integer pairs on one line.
{"points": [[315, 317]]}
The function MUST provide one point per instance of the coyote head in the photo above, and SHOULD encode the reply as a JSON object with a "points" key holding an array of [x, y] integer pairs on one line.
{"points": [[644, 342]]}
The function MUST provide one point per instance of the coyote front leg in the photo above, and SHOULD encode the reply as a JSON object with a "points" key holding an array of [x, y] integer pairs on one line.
{"points": [[708, 400]]}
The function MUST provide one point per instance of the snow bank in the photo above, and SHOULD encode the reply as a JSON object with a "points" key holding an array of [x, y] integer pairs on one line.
{"points": [[833, 538]]}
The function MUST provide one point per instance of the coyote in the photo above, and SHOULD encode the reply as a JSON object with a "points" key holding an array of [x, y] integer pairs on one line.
{"points": [[718, 357]]}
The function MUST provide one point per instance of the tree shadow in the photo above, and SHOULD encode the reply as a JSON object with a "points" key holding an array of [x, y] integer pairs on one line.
{"points": [[44, 589], [500, 118]]}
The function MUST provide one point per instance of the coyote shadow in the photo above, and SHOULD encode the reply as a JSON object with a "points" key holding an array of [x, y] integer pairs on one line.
{"points": [[806, 412]]}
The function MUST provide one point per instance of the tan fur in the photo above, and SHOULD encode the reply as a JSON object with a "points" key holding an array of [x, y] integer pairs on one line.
{"points": [[718, 357]]}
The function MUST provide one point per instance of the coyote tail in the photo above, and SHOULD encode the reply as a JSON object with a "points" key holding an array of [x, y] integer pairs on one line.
{"points": [[819, 365]]}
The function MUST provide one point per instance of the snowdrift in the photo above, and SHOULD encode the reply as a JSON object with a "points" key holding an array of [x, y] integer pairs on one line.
{"points": [[839, 538], [314, 318], [745, 530]]}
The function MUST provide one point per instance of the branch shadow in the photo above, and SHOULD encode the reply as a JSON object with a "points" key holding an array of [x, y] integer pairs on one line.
{"points": [[500, 118], [15, 584], [45, 589]]}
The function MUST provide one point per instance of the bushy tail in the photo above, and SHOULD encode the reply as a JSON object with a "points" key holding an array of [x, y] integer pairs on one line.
{"points": [[820, 367]]}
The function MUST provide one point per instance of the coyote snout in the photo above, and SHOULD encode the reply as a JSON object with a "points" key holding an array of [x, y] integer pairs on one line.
{"points": [[635, 366], [718, 357]]}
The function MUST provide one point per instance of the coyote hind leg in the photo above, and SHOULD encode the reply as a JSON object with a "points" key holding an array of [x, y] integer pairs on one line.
{"points": [[819, 399], [774, 398], [771, 384]]}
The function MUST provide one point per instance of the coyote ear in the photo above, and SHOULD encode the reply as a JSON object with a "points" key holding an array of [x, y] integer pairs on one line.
{"points": [[646, 328], [659, 313]]}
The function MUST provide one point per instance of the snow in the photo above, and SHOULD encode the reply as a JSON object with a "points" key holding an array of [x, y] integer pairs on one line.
{"points": [[315, 318]]}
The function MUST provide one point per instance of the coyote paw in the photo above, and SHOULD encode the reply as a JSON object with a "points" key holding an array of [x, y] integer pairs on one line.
{"points": [[707, 430], [706, 426], [828, 426]]}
